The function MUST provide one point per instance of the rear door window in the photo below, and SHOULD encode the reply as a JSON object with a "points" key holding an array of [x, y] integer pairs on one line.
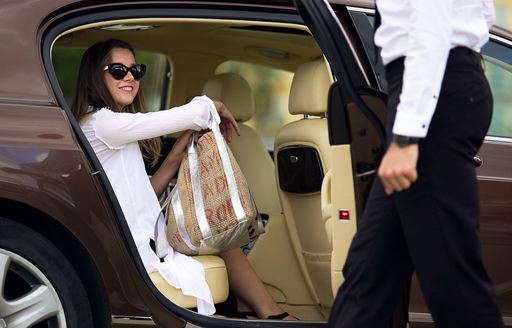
{"points": [[498, 69]]}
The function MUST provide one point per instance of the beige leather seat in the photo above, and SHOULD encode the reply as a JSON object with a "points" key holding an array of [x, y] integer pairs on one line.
{"points": [[216, 278], [303, 157], [248, 148], [258, 168]]}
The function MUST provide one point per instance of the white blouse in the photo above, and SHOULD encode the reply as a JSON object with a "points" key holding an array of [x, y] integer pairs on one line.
{"points": [[114, 136], [424, 31]]}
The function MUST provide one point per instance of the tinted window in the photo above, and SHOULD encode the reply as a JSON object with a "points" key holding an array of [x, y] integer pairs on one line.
{"points": [[364, 27], [498, 69]]}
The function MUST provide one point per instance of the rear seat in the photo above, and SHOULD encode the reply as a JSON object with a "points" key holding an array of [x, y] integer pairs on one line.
{"points": [[258, 168], [248, 148], [216, 277]]}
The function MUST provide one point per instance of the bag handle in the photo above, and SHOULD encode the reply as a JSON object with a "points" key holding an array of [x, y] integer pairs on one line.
{"points": [[230, 174], [160, 227], [228, 171]]}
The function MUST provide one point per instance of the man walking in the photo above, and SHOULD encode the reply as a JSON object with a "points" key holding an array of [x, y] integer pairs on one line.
{"points": [[422, 213]]}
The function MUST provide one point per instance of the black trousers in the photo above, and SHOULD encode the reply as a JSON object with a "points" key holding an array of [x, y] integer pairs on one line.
{"points": [[431, 228]]}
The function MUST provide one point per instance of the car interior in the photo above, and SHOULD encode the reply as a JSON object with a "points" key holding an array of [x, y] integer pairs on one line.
{"points": [[288, 169]]}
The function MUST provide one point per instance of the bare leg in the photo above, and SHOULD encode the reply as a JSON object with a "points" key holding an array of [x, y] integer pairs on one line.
{"points": [[247, 286]]}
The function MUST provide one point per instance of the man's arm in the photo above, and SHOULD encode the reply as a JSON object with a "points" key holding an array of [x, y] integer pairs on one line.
{"points": [[424, 66]]}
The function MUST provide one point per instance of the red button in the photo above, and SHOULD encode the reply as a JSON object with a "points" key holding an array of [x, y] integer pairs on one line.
{"points": [[344, 214]]}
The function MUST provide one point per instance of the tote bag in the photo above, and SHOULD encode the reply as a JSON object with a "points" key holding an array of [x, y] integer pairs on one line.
{"points": [[211, 208]]}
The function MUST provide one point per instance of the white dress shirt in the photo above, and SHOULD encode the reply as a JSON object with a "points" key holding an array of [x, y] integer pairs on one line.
{"points": [[424, 31], [114, 136]]}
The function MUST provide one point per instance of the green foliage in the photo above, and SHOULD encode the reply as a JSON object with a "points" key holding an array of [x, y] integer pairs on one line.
{"points": [[66, 62]]}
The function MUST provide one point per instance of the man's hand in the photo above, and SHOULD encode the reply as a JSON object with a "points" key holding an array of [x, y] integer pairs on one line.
{"points": [[397, 170]]}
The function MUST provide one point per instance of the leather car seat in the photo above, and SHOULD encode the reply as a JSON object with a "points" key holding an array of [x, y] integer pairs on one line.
{"points": [[216, 278], [303, 158], [248, 148]]}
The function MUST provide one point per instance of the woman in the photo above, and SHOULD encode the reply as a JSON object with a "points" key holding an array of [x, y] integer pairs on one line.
{"points": [[108, 105]]}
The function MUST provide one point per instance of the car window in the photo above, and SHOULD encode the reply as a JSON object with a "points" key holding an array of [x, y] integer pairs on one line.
{"points": [[271, 89], [498, 69], [66, 61], [363, 22]]}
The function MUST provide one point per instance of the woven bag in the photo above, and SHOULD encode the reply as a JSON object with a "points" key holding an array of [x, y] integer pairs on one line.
{"points": [[211, 208]]}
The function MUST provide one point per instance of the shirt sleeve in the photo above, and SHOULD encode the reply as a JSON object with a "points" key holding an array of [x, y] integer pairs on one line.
{"points": [[489, 13], [117, 129], [425, 63]]}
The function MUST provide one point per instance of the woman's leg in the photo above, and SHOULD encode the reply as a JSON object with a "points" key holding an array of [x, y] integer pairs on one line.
{"points": [[247, 286]]}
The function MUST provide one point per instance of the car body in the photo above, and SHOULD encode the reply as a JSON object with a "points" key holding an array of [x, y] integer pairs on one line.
{"points": [[64, 242]]}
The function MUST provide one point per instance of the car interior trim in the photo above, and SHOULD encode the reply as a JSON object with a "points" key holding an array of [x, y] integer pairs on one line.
{"points": [[160, 20], [361, 10], [354, 54]]}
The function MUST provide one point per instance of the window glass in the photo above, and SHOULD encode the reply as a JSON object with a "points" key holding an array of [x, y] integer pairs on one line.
{"points": [[498, 69], [364, 27], [154, 84], [66, 62], [271, 89]]}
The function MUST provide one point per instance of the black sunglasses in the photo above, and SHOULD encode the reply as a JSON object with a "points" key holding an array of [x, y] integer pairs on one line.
{"points": [[119, 71]]}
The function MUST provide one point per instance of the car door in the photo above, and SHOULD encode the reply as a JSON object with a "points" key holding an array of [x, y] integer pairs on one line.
{"points": [[356, 116], [495, 182], [495, 172]]}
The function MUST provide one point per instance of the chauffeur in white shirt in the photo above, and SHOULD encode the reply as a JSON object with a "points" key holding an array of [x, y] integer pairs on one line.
{"points": [[422, 213]]}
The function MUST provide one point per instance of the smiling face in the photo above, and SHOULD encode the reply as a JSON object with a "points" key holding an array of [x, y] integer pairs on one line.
{"points": [[123, 91]]}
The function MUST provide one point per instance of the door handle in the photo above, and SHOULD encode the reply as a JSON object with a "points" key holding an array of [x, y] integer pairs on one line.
{"points": [[365, 169], [367, 173], [478, 160]]}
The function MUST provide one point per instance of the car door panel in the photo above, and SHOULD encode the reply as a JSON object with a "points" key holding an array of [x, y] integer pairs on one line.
{"points": [[356, 131]]}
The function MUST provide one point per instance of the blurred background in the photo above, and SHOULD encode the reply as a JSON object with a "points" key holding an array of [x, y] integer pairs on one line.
{"points": [[500, 79], [504, 13]]}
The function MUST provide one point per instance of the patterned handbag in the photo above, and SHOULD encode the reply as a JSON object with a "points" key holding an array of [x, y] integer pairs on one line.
{"points": [[211, 208]]}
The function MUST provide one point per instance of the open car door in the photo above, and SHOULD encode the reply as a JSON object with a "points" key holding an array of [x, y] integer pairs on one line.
{"points": [[356, 116]]}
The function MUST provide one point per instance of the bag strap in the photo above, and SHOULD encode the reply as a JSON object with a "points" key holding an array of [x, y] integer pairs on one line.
{"points": [[228, 170], [197, 193], [202, 221], [161, 241]]}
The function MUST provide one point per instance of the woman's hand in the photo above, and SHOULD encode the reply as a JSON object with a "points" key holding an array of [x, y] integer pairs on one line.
{"points": [[227, 121], [169, 168], [178, 149]]}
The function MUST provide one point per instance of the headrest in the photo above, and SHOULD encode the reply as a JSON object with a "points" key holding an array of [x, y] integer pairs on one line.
{"points": [[310, 87], [234, 91]]}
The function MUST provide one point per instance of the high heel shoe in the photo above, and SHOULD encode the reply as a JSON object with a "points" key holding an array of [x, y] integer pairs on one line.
{"points": [[280, 316]]}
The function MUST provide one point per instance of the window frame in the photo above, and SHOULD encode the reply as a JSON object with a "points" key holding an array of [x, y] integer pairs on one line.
{"points": [[507, 44]]}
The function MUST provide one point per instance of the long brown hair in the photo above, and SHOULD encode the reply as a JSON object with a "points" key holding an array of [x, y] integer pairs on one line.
{"points": [[91, 90]]}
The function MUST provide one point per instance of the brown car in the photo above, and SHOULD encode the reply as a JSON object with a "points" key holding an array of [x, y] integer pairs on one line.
{"points": [[311, 108]]}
